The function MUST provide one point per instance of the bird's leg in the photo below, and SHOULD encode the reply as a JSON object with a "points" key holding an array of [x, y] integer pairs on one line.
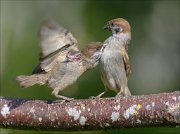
{"points": [[119, 95], [98, 96], [55, 93], [123, 93], [101, 94]]}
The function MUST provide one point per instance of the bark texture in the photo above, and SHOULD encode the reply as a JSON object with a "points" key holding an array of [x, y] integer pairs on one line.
{"points": [[91, 114]]}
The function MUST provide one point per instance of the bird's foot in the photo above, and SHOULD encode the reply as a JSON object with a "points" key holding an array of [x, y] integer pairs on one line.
{"points": [[94, 97], [63, 100]]}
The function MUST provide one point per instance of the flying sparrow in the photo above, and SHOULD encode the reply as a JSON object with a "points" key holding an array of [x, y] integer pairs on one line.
{"points": [[114, 61], [61, 62]]}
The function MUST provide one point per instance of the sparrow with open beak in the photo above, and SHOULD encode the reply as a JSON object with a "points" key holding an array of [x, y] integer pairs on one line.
{"points": [[61, 62], [114, 61]]}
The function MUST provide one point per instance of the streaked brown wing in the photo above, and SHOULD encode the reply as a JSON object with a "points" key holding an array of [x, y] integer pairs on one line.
{"points": [[127, 64]]}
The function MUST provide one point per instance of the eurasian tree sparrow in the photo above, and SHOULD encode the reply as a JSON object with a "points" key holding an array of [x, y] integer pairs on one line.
{"points": [[114, 61], [61, 62]]}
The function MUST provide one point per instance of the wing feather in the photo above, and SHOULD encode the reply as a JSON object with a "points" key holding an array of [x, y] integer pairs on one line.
{"points": [[54, 41], [127, 64]]}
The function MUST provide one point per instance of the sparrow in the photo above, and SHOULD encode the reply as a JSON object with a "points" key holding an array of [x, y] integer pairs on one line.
{"points": [[114, 61], [61, 62]]}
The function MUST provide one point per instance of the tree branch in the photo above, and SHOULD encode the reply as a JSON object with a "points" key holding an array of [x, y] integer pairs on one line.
{"points": [[91, 114]]}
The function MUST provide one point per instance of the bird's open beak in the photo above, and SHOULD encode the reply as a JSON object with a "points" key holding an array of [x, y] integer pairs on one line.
{"points": [[106, 27]]}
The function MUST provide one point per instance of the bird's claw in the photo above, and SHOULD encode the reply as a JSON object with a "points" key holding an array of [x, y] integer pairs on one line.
{"points": [[94, 97], [63, 100]]}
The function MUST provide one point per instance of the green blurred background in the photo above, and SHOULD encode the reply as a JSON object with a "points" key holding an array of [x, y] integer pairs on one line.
{"points": [[154, 50]]}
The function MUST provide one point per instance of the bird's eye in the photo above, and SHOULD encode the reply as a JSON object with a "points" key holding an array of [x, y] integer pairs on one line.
{"points": [[112, 24]]}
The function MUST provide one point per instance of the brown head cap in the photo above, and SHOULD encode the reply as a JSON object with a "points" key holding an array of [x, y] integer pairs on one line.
{"points": [[121, 23], [91, 48]]}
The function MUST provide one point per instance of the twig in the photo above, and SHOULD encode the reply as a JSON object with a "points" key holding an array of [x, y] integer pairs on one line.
{"points": [[91, 114]]}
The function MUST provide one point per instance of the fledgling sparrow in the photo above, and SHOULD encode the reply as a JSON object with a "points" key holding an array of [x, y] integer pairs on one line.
{"points": [[61, 62], [114, 61]]}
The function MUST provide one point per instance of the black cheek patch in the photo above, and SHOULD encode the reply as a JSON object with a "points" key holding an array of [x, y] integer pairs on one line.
{"points": [[117, 30]]}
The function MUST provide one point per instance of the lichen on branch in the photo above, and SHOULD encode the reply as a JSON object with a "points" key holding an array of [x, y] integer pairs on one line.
{"points": [[91, 114]]}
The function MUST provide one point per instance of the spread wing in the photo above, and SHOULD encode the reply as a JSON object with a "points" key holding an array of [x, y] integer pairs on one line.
{"points": [[54, 41], [127, 64]]}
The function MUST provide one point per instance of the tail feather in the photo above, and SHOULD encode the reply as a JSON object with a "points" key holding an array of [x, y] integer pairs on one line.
{"points": [[27, 81]]}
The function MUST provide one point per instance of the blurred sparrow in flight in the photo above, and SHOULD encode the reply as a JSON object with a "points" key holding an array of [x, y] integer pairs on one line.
{"points": [[61, 63], [114, 61]]}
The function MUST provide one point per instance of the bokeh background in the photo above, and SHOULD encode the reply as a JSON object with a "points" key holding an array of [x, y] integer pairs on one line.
{"points": [[154, 50]]}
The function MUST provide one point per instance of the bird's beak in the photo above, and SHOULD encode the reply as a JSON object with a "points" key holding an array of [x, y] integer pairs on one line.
{"points": [[106, 27]]}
